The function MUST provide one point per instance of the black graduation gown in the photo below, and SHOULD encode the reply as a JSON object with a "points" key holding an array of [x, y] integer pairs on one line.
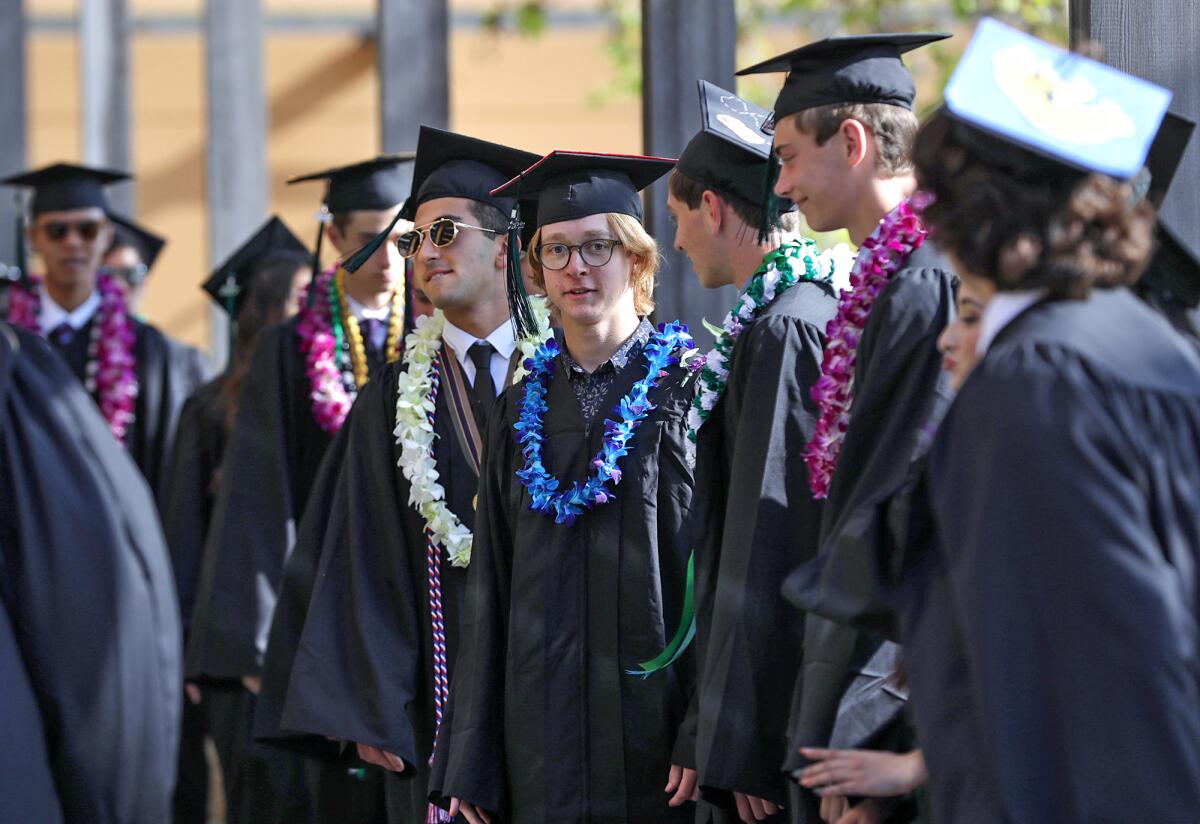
{"points": [[89, 635], [900, 393], [168, 372], [756, 521], [546, 725], [363, 668], [1064, 484]]}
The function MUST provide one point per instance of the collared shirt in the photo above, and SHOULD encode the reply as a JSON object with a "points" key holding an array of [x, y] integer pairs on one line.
{"points": [[378, 335], [503, 342], [52, 315], [591, 387], [1002, 310]]}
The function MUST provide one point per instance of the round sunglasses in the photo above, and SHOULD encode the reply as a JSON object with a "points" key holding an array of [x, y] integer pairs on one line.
{"points": [[442, 233]]}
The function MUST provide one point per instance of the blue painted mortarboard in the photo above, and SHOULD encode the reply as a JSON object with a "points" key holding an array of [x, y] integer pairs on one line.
{"points": [[448, 164], [569, 186], [864, 68], [1054, 106]]}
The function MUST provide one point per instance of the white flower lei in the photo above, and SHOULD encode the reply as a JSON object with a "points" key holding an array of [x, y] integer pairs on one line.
{"points": [[414, 428]]}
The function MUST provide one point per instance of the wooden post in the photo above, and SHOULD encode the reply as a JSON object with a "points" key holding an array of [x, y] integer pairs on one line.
{"points": [[1155, 39], [412, 39], [13, 116], [682, 43], [105, 91], [236, 153]]}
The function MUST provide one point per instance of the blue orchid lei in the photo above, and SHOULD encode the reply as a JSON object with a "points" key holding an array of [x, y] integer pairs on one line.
{"points": [[661, 352]]}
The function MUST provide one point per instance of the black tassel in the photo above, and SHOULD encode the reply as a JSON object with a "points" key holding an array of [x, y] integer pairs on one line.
{"points": [[772, 207], [524, 322], [316, 259], [356, 260], [21, 262]]}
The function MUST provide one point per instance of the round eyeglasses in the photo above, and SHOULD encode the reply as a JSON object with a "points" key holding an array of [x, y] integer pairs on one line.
{"points": [[594, 252], [442, 233]]}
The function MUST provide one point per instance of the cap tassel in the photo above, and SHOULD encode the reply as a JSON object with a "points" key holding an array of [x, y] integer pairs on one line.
{"points": [[322, 219], [772, 207], [356, 260], [524, 322]]}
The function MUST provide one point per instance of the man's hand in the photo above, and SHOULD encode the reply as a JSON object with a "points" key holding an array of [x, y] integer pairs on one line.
{"points": [[473, 814], [866, 812], [833, 807], [380, 758], [682, 782], [751, 809], [252, 683], [867, 773], [192, 691]]}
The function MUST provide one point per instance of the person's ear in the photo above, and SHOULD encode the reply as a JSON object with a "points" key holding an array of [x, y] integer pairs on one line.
{"points": [[710, 206], [336, 238], [501, 259], [854, 138]]}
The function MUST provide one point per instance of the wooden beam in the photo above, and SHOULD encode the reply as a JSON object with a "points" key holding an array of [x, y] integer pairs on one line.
{"points": [[236, 154], [412, 40], [104, 27], [13, 139], [682, 43]]}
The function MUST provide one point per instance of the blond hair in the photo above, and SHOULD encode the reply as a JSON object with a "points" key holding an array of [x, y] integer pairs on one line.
{"points": [[643, 256]]}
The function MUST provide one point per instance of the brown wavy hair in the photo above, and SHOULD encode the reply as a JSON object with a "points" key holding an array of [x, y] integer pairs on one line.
{"points": [[1026, 222]]}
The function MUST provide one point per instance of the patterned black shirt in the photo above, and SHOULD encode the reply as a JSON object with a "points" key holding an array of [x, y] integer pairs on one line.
{"points": [[591, 387]]}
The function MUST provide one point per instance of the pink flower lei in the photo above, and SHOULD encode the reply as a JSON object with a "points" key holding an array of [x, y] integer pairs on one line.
{"points": [[885, 251], [111, 372], [331, 399]]}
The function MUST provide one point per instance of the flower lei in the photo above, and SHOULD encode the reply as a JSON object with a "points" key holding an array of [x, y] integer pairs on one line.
{"points": [[897, 236], [358, 351], [111, 372], [416, 402], [776, 275], [329, 359], [661, 352]]}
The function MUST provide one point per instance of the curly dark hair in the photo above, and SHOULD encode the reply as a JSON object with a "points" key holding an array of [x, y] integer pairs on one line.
{"points": [[1024, 221]]}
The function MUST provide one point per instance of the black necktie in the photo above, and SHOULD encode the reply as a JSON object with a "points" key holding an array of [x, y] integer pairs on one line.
{"points": [[483, 390], [62, 335]]}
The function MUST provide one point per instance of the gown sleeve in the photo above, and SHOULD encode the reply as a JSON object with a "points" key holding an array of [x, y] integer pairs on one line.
{"points": [[252, 530], [86, 592], [358, 666], [1077, 622], [770, 524]]}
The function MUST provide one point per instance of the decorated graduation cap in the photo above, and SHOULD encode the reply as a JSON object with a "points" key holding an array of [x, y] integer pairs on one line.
{"points": [[128, 233], [568, 186], [864, 68], [732, 152], [368, 186], [1054, 106], [229, 280], [452, 165]]}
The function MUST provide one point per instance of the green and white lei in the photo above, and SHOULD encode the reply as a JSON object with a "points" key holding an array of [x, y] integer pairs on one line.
{"points": [[415, 404], [781, 269]]}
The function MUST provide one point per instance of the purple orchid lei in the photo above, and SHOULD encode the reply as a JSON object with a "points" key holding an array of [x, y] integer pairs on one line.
{"points": [[111, 372], [884, 252], [661, 352]]}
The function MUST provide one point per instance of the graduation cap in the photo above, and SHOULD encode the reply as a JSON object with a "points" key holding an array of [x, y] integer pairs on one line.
{"points": [[569, 186], [369, 185], [453, 165], [127, 233], [1055, 107], [229, 280], [64, 186], [732, 153], [865, 68], [1166, 153]]}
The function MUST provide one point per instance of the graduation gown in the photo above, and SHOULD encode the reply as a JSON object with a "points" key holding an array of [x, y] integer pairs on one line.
{"points": [[89, 635], [168, 372], [1064, 483], [756, 521], [363, 670], [900, 393], [546, 725]]}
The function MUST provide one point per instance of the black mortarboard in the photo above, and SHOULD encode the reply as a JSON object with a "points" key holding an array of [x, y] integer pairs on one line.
{"points": [[569, 186], [453, 165], [371, 185], [1166, 153], [864, 68], [65, 186], [1173, 272], [233, 276], [128, 233]]}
